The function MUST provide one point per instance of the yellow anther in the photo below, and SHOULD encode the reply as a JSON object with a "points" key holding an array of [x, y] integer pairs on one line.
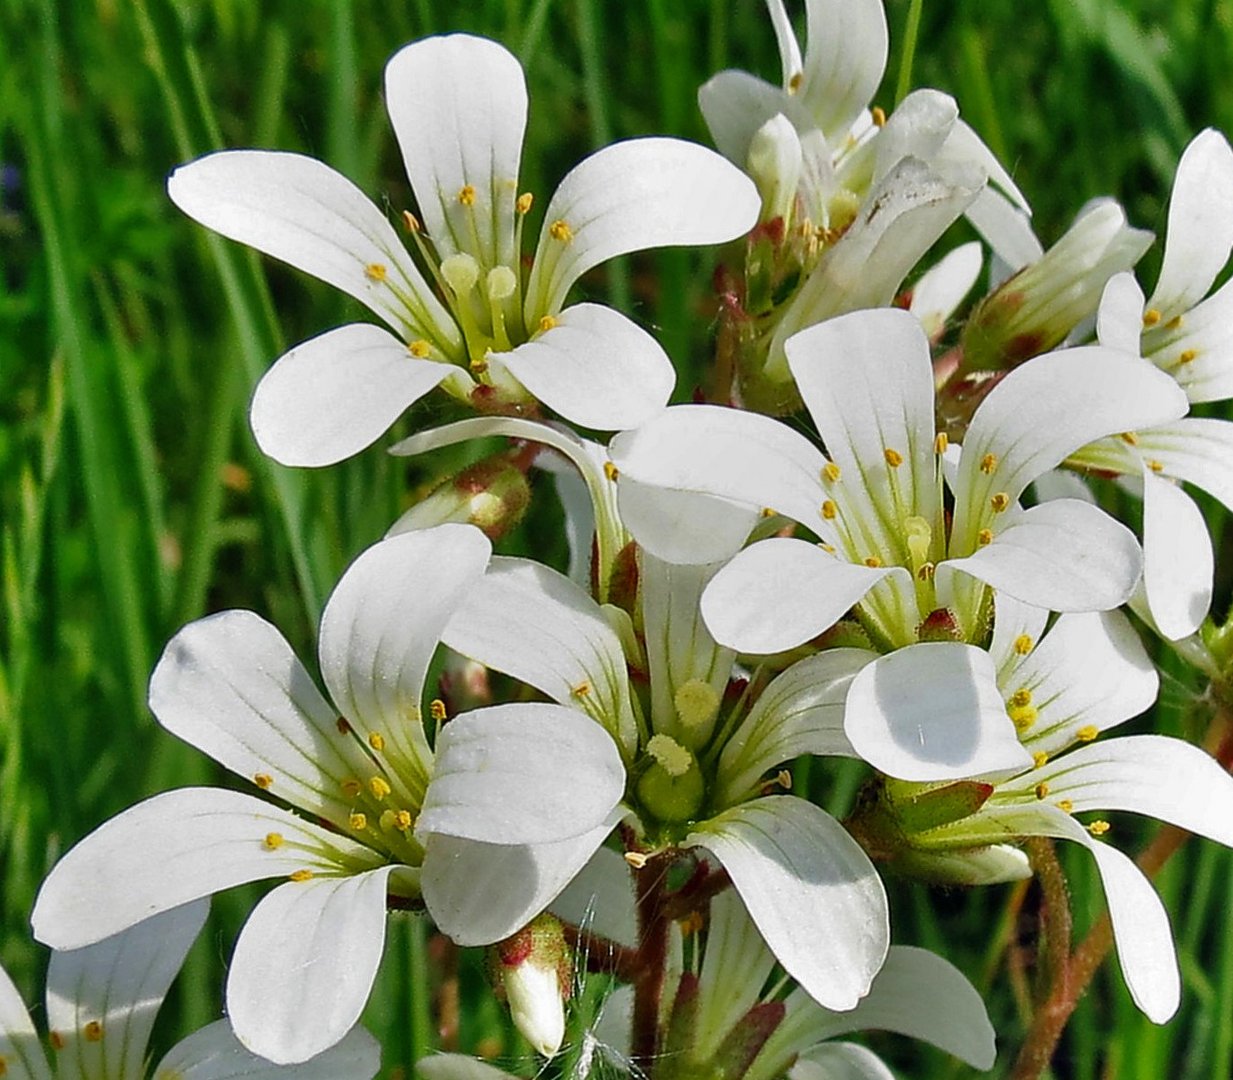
{"points": [[988, 463], [768, 511], [873, 562], [1040, 759], [263, 781], [1130, 438], [784, 779], [984, 537], [523, 205], [351, 787], [93, 1031], [410, 221], [56, 1040], [404, 819], [377, 741], [1087, 733], [466, 194], [611, 471], [692, 923], [547, 323], [301, 875], [1042, 789], [479, 364], [830, 548], [999, 501], [1099, 828], [1021, 697], [829, 510], [1023, 644], [358, 821], [560, 230], [1151, 317], [636, 859], [941, 443], [926, 571], [893, 458], [1174, 323], [419, 348], [379, 787], [375, 272], [343, 725], [1066, 805], [436, 709], [878, 115], [794, 83], [1154, 465], [830, 472], [1023, 717], [273, 841], [583, 689], [1187, 356]]}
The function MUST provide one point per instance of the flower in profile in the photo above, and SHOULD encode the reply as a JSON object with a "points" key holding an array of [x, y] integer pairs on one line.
{"points": [[489, 801], [919, 574], [478, 326], [101, 1003]]}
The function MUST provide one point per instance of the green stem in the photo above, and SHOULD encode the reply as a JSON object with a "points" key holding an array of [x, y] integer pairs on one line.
{"points": [[910, 32]]}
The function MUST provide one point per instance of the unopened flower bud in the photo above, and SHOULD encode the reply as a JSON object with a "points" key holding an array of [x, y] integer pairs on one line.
{"points": [[492, 494], [991, 865], [940, 625], [533, 972]]}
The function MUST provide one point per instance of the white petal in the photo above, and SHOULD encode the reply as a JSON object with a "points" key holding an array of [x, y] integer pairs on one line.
{"points": [[305, 963], [214, 1053], [683, 527], [1196, 449], [736, 104], [481, 893], [596, 368], [458, 1067], [301, 211], [1119, 320], [811, 890], [631, 196], [1177, 558], [1007, 230], [1029, 426], [173, 848], [845, 55], [964, 146], [530, 622], [19, 1041], [917, 128], [118, 983], [1064, 555], [840, 1061], [1013, 620], [600, 899], [381, 626], [942, 288], [459, 109], [1198, 351], [521, 774], [800, 712], [932, 712], [1200, 232], [336, 394], [781, 592], [230, 685]]}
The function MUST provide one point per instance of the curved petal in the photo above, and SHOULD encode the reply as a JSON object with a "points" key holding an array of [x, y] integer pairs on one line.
{"points": [[736, 104], [800, 712], [600, 899], [1119, 319], [813, 893], [1178, 564], [336, 394], [846, 43], [118, 984], [230, 685], [480, 893], [631, 196], [918, 127], [304, 965], [943, 287], [458, 1067], [173, 848], [1012, 622], [1197, 350], [1064, 555], [595, 367], [381, 626], [214, 1053], [1026, 426], [781, 592], [301, 211], [530, 622], [19, 1041], [459, 109], [1200, 231], [840, 1061], [964, 146], [521, 774], [932, 712], [1007, 230], [1196, 449], [684, 527]]}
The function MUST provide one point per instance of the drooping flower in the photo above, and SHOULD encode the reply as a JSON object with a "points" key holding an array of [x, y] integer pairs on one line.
{"points": [[483, 330], [488, 800], [101, 1003], [919, 576]]}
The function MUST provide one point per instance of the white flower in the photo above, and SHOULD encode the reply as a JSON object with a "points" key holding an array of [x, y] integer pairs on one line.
{"points": [[919, 578], [487, 825], [101, 1003], [483, 331]]}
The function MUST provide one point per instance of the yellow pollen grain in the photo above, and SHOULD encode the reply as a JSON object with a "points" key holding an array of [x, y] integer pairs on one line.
{"points": [[1099, 828], [419, 348], [560, 230], [375, 272], [1151, 317], [878, 115], [583, 689], [873, 562], [999, 501], [377, 741], [1023, 718], [466, 194], [1066, 805], [984, 537], [93, 1031], [358, 821], [379, 786], [523, 205], [692, 923], [831, 472], [1130, 438], [1042, 789], [1087, 733], [263, 781], [1040, 759], [829, 510], [1023, 644], [768, 511], [56, 1040], [941, 443], [1187, 356], [273, 841], [410, 221], [893, 458], [826, 547], [404, 820], [301, 875], [636, 859], [988, 463], [436, 709], [794, 83], [1021, 697], [547, 323], [1174, 323], [1154, 465], [351, 787], [611, 471]]}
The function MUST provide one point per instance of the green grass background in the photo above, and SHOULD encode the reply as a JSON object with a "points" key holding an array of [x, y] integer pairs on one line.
{"points": [[132, 498]]}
